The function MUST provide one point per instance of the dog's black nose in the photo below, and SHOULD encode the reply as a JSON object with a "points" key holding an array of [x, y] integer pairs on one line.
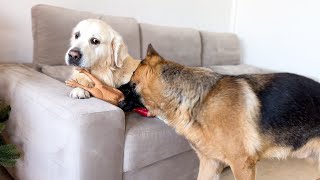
{"points": [[74, 54]]}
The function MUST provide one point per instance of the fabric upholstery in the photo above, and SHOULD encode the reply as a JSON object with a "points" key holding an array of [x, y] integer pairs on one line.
{"points": [[182, 45], [60, 73], [220, 49], [183, 166], [239, 69], [60, 137], [52, 27], [68, 139], [63, 72], [149, 140]]}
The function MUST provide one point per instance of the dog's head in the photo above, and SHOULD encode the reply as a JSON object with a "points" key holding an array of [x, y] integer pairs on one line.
{"points": [[93, 42], [146, 78], [147, 69]]}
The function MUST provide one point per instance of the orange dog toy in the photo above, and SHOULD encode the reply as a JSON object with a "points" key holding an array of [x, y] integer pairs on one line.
{"points": [[101, 91], [104, 92]]}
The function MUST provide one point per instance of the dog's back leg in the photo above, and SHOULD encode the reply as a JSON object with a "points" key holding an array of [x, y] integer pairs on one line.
{"points": [[210, 169], [316, 157], [244, 168]]}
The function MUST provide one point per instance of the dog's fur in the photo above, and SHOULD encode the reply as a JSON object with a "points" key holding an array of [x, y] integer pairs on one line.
{"points": [[109, 60], [234, 120]]}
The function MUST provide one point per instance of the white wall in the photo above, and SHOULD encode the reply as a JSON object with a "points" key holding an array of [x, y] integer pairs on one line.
{"points": [[15, 19], [280, 34], [277, 34]]}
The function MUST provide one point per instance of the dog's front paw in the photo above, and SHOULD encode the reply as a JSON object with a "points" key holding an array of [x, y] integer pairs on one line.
{"points": [[79, 93]]}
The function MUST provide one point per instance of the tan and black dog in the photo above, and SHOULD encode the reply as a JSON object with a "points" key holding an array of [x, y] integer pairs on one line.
{"points": [[234, 120]]}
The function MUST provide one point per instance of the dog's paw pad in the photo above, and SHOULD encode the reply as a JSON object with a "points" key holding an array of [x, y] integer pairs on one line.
{"points": [[78, 93]]}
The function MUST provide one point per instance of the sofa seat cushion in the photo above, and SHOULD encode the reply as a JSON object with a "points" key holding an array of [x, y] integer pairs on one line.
{"points": [[59, 72], [149, 140], [238, 69], [63, 72]]}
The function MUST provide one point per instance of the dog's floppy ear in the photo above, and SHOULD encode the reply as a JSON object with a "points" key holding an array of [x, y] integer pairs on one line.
{"points": [[119, 50]]}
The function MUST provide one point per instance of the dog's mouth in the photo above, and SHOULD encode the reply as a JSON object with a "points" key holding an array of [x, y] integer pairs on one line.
{"points": [[77, 63], [132, 100]]}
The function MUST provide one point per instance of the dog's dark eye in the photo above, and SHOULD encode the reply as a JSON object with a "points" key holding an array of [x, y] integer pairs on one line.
{"points": [[77, 35], [94, 41]]}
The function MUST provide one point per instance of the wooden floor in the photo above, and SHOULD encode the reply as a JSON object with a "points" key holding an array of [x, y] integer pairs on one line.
{"points": [[292, 169], [267, 170]]}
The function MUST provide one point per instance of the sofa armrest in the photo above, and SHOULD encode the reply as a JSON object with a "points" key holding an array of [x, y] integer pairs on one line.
{"points": [[61, 138]]}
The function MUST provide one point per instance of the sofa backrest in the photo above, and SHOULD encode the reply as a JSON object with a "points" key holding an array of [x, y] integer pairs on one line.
{"points": [[52, 27], [179, 44]]}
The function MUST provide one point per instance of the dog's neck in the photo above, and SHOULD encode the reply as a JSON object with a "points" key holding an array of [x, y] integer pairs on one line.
{"points": [[123, 75], [184, 90]]}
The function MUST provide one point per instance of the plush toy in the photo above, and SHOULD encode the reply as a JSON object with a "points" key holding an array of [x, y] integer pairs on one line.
{"points": [[124, 97]]}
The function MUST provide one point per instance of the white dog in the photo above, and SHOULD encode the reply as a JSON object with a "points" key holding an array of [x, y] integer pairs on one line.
{"points": [[97, 47]]}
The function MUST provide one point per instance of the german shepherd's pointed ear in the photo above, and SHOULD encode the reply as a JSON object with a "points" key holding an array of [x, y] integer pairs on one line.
{"points": [[152, 56], [151, 51]]}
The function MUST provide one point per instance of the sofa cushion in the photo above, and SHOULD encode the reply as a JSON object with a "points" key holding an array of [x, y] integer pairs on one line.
{"points": [[59, 72], [182, 45], [183, 166], [52, 27], [63, 72], [220, 49], [149, 140], [239, 69]]}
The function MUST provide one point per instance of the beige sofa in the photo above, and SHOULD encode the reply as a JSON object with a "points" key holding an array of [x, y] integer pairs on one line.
{"points": [[69, 139]]}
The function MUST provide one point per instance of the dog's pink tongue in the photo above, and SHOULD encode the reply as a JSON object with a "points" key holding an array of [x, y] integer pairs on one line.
{"points": [[142, 111]]}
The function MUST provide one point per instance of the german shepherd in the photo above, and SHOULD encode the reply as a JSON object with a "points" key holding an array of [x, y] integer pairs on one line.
{"points": [[233, 120]]}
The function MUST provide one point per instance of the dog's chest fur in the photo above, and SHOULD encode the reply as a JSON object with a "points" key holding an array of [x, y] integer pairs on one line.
{"points": [[206, 107]]}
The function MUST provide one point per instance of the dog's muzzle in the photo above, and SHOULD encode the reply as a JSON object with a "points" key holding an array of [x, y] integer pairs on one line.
{"points": [[74, 56]]}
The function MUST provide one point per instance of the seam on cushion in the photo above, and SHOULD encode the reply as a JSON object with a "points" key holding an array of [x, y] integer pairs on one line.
{"points": [[140, 41], [201, 48], [98, 112], [175, 154], [34, 12], [240, 60], [146, 132]]}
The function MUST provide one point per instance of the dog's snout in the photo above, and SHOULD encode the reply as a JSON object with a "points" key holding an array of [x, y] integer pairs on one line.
{"points": [[75, 54]]}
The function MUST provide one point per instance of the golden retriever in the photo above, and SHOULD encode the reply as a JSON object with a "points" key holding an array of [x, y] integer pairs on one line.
{"points": [[100, 49]]}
